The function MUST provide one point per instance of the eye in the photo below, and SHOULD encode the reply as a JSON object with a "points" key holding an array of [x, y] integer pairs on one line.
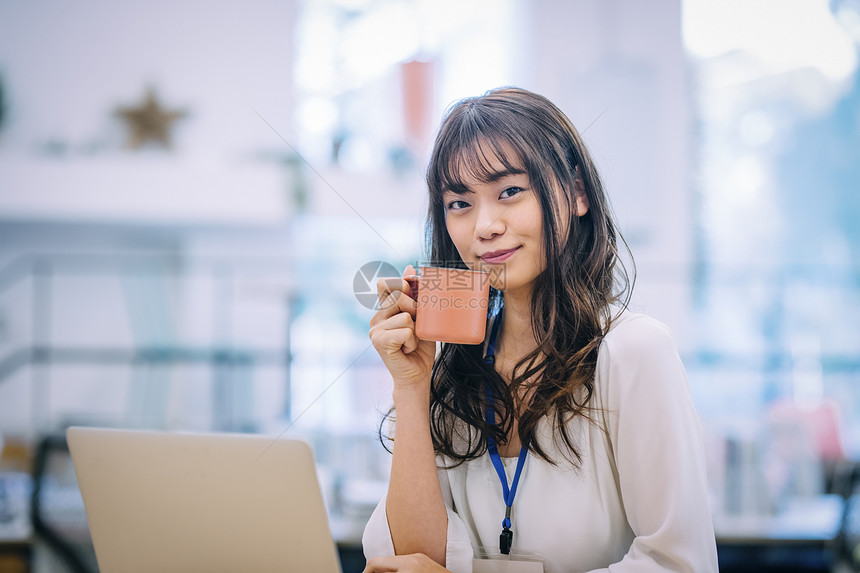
{"points": [[513, 190], [452, 206]]}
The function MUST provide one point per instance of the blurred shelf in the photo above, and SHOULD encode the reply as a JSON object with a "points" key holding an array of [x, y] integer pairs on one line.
{"points": [[146, 188]]}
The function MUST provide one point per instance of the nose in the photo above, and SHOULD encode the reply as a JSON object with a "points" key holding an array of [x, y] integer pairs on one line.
{"points": [[490, 222]]}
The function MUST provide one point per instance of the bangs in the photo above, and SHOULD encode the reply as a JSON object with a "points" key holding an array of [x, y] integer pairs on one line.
{"points": [[474, 149]]}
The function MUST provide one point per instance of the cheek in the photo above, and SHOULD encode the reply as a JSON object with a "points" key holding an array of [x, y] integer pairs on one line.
{"points": [[456, 239], [537, 228], [457, 233], [537, 233]]}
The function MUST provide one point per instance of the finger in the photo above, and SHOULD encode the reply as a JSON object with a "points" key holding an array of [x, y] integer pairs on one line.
{"points": [[395, 303], [395, 320], [405, 302], [386, 285], [381, 565], [402, 321], [392, 341], [411, 344], [412, 284], [380, 324], [388, 304], [399, 301]]}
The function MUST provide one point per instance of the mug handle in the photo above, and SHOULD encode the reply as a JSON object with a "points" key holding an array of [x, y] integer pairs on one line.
{"points": [[413, 281]]}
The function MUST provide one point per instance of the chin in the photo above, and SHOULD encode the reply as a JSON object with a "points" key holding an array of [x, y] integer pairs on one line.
{"points": [[506, 286]]}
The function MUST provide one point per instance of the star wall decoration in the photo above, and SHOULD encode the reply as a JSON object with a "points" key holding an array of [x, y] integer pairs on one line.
{"points": [[149, 122]]}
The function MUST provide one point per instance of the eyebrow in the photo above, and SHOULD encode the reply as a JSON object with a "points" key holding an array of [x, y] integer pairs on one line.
{"points": [[459, 189]]}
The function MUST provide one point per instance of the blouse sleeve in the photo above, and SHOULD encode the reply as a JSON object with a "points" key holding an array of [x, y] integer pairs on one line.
{"points": [[377, 542], [657, 442]]}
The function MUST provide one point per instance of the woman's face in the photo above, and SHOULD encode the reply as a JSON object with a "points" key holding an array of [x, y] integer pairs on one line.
{"points": [[498, 216]]}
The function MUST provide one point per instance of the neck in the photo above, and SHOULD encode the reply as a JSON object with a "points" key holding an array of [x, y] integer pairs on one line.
{"points": [[517, 337]]}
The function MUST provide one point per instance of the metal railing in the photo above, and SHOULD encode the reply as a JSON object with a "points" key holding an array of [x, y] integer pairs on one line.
{"points": [[153, 341]]}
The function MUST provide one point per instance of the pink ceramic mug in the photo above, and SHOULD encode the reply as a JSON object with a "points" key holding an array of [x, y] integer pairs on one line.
{"points": [[452, 304]]}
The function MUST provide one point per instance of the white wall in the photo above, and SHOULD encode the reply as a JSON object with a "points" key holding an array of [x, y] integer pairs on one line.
{"points": [[67, 67], [615, 66], [618, 69]]}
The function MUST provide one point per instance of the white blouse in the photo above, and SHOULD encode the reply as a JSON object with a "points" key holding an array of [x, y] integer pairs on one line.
{"points": [[639, 502]]}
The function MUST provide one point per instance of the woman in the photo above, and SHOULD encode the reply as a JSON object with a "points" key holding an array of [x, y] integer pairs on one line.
{"points": [[569, 436]]}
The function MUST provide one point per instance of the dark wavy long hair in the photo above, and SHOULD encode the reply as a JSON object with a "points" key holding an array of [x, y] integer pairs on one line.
{"points": [[571, 298]]}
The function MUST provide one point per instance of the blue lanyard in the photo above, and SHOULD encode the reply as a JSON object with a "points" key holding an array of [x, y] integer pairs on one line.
{"points": [[507, 536]]}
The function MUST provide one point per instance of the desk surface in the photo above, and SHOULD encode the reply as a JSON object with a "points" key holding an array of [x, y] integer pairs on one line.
{"points": [[801, 520]]}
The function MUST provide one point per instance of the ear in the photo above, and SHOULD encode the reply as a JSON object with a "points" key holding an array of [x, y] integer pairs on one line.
{"points": [[579, 196]]}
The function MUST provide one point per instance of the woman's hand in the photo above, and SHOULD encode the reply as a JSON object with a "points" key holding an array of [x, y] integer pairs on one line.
{"points": [[417, 563], [392, 330]]}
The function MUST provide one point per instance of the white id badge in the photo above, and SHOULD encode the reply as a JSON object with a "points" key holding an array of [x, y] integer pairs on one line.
{"points": [[495, 562], [501, 566]]}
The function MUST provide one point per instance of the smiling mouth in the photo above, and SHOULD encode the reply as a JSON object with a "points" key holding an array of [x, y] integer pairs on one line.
{"points": [[499, 258]]}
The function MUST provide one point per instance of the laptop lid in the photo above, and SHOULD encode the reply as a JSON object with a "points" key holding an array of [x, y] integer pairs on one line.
{"points": [[158, 501]]}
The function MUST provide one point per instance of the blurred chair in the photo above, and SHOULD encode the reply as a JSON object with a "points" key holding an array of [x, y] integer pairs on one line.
{"points": [[57, 509], [820, 423], [782, 514]]}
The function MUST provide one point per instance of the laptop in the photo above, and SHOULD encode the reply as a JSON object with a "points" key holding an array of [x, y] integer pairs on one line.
{"points": [[158, 501]]}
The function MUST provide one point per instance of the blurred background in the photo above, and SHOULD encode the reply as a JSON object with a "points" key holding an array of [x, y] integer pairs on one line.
{"points": [[190, 192]]}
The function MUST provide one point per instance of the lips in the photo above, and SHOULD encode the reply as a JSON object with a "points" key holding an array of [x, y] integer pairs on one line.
{"points": [[497, 256]]}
